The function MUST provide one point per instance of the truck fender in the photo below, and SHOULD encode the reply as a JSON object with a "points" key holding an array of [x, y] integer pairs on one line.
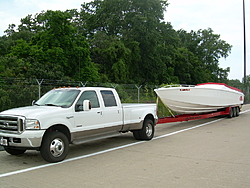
{"points": [[60, 128]]}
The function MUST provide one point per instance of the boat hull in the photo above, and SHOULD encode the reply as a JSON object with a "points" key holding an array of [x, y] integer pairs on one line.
{"points": [[199, 99]]}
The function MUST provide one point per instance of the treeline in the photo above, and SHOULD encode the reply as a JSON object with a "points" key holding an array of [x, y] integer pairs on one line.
{"points": [[116, 41]]}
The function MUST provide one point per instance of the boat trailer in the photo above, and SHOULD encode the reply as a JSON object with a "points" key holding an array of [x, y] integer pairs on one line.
{"points": [[232, 111]]}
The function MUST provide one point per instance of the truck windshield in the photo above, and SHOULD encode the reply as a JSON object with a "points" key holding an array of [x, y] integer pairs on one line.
{"points": [[62, 98]]}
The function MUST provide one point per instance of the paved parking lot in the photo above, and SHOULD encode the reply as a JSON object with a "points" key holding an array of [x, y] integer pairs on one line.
{"points": [[203, 153]]}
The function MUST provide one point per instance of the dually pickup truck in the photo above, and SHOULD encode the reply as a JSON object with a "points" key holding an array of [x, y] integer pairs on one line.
{"points": [[67, 116]]}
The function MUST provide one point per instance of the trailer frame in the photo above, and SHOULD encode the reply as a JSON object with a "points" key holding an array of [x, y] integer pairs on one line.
{"points": [[232, 111]]}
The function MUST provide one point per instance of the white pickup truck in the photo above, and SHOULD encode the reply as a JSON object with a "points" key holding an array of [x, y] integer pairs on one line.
{"points": [[73, 116]]}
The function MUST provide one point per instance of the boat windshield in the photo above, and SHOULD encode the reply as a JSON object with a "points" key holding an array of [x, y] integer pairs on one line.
{"points": [[61, 98]]}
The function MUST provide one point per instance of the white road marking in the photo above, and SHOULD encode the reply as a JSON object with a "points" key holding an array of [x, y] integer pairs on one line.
{"points": [[245, 111], [108, 150]]}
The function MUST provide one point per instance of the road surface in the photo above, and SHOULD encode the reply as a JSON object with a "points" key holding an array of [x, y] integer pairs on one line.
{"points": [[202, 153]]}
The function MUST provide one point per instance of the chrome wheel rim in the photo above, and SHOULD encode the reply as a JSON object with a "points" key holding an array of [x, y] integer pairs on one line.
{"points": [[149, 130], [56, 147]]}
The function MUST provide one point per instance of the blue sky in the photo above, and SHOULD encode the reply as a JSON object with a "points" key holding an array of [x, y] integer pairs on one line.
{"points": [[224, 17]]}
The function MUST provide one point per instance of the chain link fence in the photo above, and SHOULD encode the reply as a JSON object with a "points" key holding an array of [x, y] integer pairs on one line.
{"points": [[21, 92]]}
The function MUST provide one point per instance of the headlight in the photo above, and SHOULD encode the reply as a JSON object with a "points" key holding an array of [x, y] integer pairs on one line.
{"points": [[32, 124]]}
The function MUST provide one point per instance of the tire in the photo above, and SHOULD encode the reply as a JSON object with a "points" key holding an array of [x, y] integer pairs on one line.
{"points": [[231, 113], [234, 111], [55, 147], [237, 111], [14, 151], [136, 135], [147, 131]]}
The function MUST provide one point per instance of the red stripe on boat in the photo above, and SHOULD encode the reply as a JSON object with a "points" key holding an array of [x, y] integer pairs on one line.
{"points": [[210, 83]]}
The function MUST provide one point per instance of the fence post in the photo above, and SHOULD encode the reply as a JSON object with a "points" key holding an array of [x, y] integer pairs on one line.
{"points": [[83, 85], [248, 94], [138, 88], [39, 87], [114, 86]]}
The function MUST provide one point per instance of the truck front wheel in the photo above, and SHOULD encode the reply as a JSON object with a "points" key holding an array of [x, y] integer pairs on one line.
{"points": [[147, 131], [55, 146]]}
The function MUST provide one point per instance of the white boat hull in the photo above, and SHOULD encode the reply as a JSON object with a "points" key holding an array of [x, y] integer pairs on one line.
{"points": [[200, 99]]}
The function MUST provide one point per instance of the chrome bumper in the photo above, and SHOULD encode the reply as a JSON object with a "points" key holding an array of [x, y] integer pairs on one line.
{"points": [[28, 139]]}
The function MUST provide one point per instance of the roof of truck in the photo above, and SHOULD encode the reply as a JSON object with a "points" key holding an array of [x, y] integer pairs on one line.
{"points": [[85, 88]]}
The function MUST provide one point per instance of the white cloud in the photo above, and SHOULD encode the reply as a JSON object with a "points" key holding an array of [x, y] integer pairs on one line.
{"points": [[224, 17], [11, 11]]}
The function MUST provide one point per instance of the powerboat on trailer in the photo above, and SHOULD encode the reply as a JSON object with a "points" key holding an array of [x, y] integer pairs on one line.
{"points": [[201, 98]]}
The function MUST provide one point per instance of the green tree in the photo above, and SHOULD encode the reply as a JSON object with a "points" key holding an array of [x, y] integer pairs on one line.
{"points": [[134, 22], [185, 65], [112, 56], [55, 45], [5, 45], [13, 67], [235, 83], [114, 41], [166, 53], [209, 48]]}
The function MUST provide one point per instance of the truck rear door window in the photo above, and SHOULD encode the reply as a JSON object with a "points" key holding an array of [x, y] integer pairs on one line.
{"points": [[108, 98]]}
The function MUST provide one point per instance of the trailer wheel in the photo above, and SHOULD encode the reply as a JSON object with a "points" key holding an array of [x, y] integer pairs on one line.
{"points": [[231, 113], [147, 131], [14, 151], [55, 147], [237, 111]]}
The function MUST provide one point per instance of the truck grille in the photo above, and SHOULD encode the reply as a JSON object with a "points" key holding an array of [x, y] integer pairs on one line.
{"points": [[12, 124]]}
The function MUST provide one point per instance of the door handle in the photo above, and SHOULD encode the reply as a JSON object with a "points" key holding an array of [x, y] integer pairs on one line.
{"points": [[69, 117], [99, 113]]}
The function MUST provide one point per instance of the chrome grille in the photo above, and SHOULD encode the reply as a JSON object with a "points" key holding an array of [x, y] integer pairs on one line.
{"points": [[11, 124]]}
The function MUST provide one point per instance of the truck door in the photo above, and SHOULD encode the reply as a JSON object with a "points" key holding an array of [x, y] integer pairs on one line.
{"points": [[112, 111], [88, 120]]}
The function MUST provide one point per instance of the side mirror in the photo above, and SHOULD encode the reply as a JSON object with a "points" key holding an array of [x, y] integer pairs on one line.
{"points": [[86, 105], [33, 102]]}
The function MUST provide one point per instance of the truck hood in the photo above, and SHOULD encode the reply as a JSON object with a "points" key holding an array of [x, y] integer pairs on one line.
{"points": [[34, 112]]}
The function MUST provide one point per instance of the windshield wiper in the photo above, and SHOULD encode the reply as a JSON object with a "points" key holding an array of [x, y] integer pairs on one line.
{"points": [[50, 104]]}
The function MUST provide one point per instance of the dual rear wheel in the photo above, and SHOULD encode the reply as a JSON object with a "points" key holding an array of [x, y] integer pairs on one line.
{"points": [[147, 131]]}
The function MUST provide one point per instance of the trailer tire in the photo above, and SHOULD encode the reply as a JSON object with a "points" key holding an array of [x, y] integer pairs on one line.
{"points": [[13, 151], [237, 111], [147, 131], [231, 113], [55, 147], [234, 109]]}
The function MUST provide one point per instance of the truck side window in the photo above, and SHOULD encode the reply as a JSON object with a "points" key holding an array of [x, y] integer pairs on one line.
{"points": [[109, 98], [87, 95]]}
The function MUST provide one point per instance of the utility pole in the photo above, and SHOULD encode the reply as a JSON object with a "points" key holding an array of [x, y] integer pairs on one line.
{"points": [[244, 31]]}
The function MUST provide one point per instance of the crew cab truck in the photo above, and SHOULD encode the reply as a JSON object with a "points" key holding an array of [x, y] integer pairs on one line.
{"points": [[73, 116]]}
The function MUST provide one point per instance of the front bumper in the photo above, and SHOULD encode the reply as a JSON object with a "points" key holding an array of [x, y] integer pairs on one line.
{"points": [[28, 139]]}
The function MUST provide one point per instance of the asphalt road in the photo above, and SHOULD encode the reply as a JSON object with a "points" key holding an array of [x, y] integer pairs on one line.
{"points": [[202, 153]]}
